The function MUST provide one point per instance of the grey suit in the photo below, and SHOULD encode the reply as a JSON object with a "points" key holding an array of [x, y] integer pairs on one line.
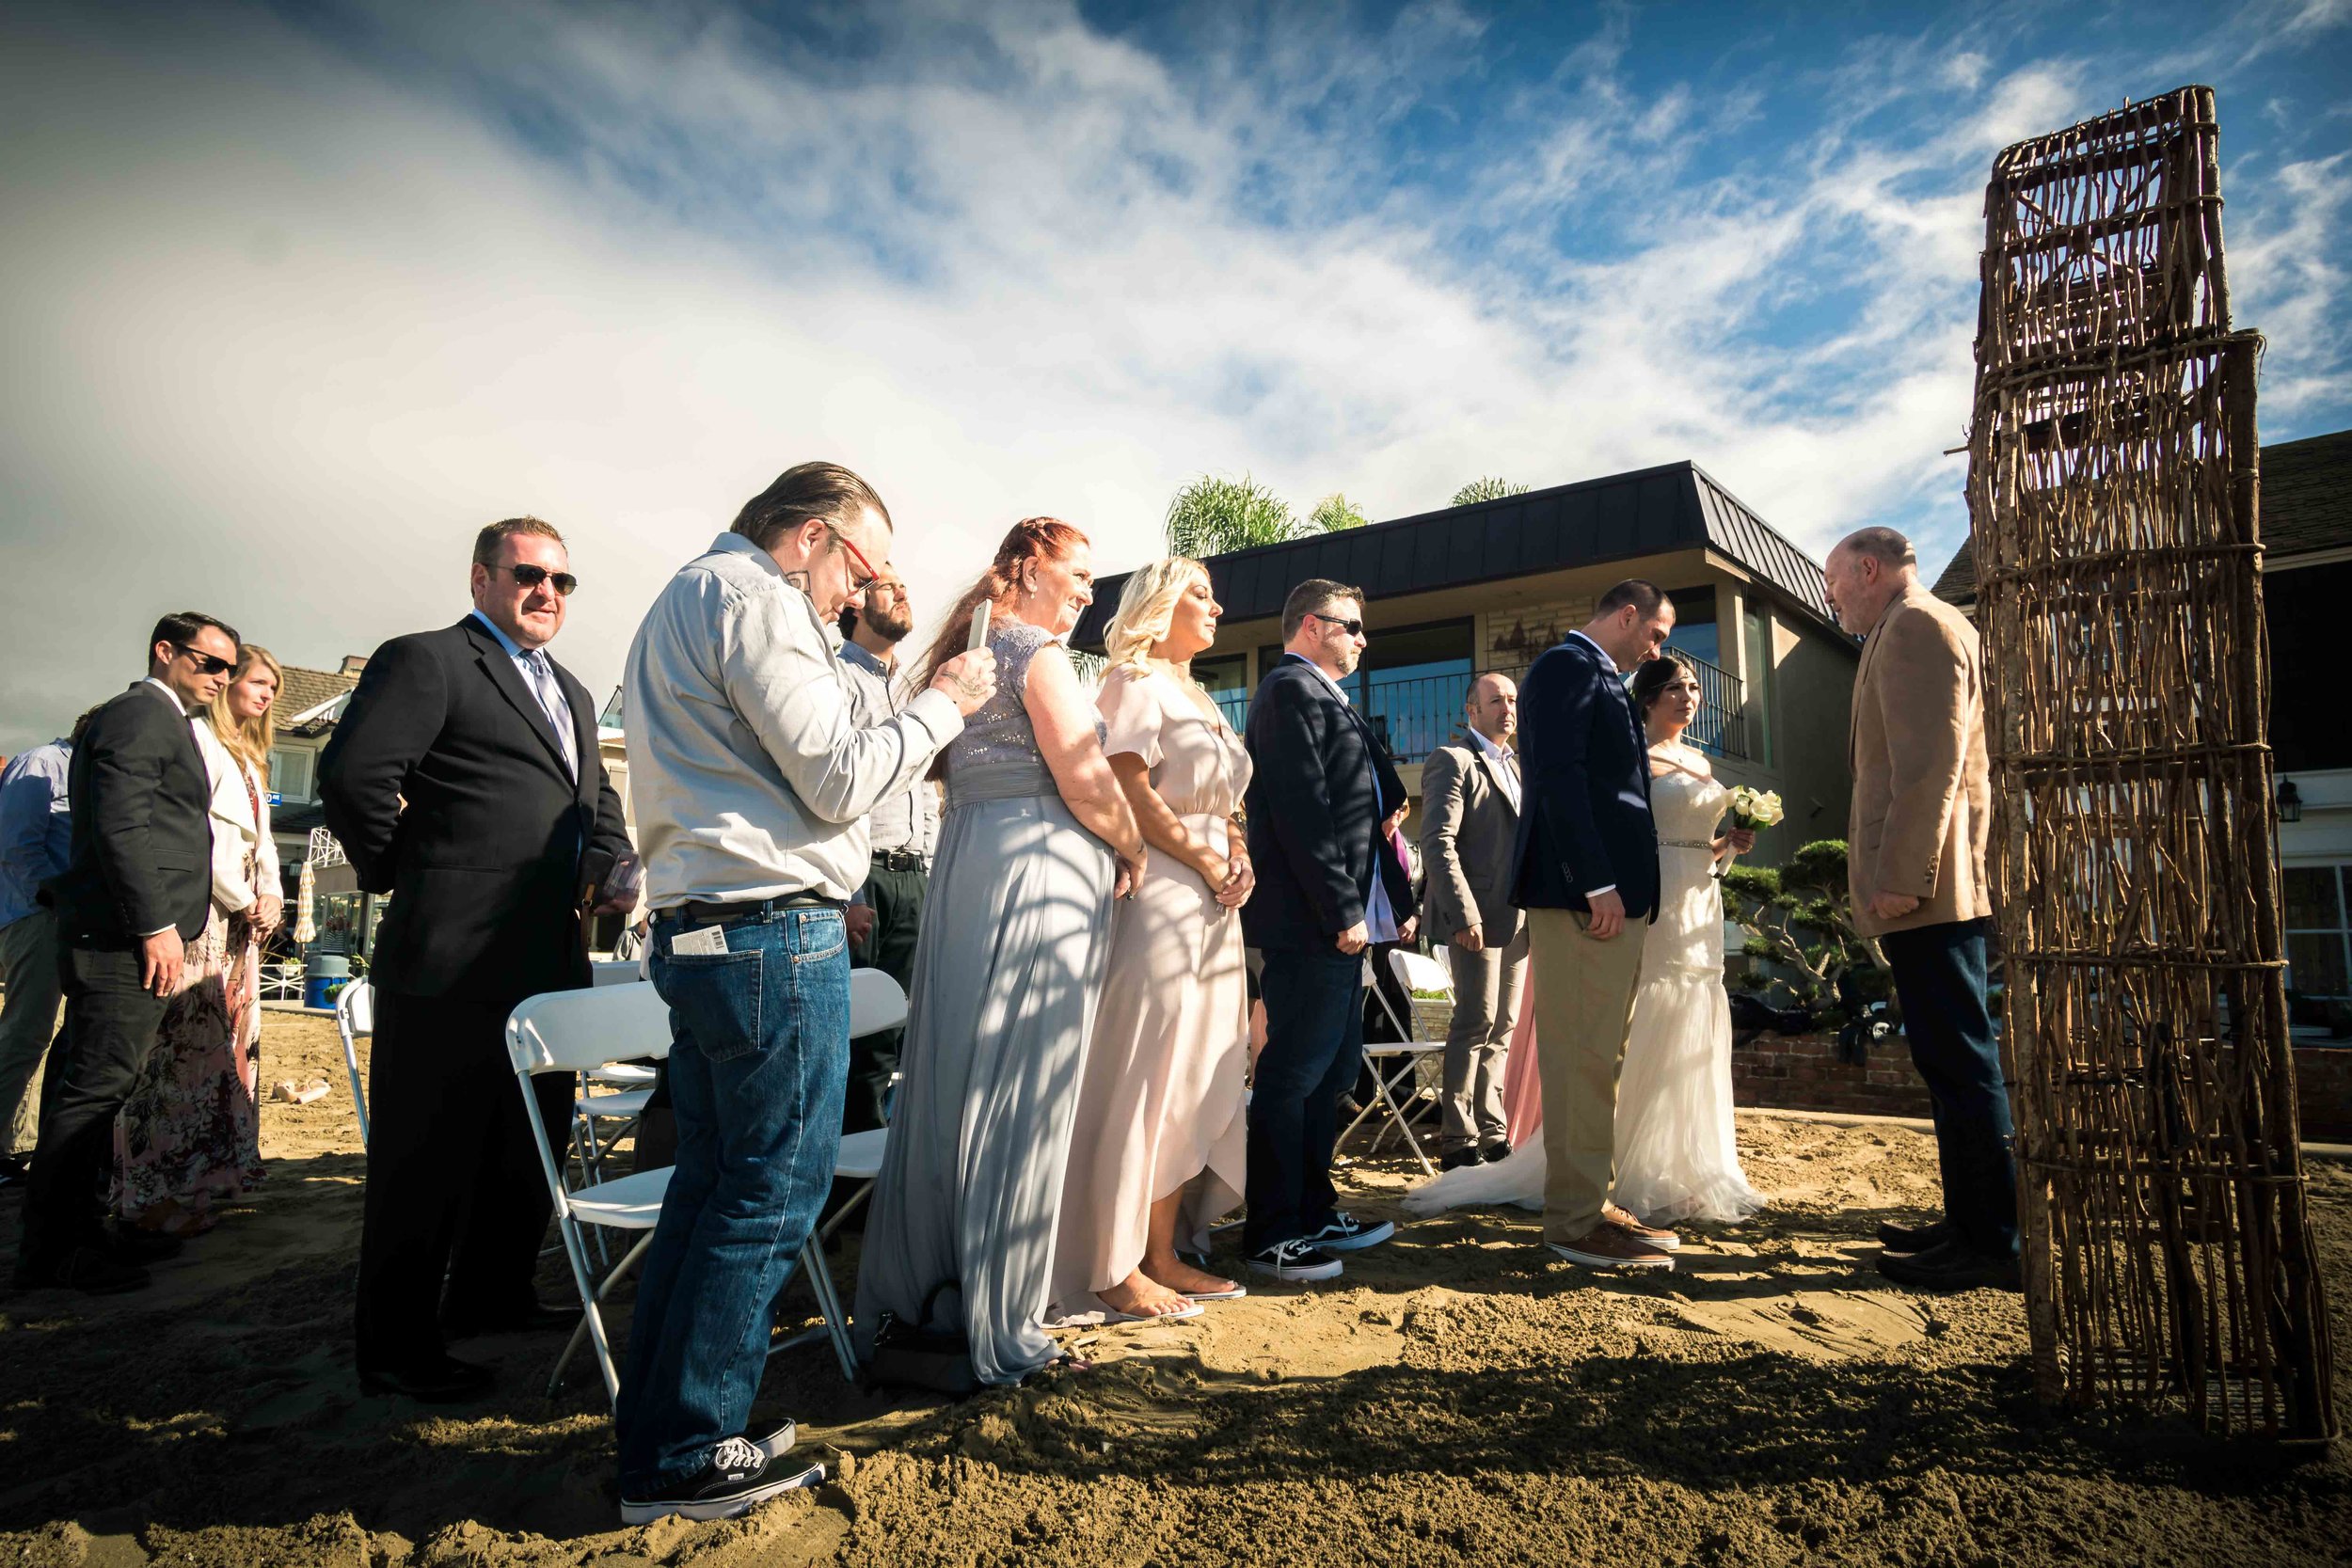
{"points": [[1468, 824]]}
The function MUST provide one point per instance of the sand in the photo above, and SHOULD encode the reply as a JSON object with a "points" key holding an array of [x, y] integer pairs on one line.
{"points": [[1458, 1399]]}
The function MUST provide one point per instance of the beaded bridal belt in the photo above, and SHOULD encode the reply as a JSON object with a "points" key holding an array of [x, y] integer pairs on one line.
{"points": [[1684, 844]]}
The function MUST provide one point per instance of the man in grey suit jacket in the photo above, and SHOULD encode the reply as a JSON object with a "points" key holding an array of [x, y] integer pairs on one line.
{"points": [[1470, 813]]}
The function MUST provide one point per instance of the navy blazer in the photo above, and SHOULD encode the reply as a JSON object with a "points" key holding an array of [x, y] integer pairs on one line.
{"points": [[1584, 815], [1320, 786], [142, 834], [445, 784]]}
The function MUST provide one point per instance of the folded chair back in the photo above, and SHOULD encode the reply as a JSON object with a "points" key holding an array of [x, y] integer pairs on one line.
{"points": [[574, 1031]]}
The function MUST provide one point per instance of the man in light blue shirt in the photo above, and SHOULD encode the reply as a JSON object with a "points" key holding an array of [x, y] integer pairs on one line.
{"points": [[35, 831]]}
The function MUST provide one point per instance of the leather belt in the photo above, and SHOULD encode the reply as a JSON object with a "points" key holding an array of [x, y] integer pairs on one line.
{"points": [[728, 913], [903, 859]]}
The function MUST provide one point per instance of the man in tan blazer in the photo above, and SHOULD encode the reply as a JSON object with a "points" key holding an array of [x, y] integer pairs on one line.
{"points": [[1470, 812], [1915, 842]]}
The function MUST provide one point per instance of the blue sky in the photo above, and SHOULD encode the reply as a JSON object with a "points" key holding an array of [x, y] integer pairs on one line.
{"points": [[301, 294]]}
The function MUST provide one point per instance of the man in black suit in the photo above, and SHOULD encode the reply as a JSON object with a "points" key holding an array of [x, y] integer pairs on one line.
{"points": [[465, 779], [1327, 888], [1586, 863], [137, 889]]}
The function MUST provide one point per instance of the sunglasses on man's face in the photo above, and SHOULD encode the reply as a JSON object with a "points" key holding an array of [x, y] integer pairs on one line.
{"points": [[532, 577], [1352, 629], [207, 664]]}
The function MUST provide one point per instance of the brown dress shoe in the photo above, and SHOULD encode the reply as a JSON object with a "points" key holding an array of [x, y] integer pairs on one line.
{"points": [[1605, 1246], [1666, 1241]]}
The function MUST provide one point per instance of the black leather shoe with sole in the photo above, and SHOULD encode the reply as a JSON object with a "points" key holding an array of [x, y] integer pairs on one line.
{"points": [[448, 1381], [1915, 1238], [1951, 1267]]}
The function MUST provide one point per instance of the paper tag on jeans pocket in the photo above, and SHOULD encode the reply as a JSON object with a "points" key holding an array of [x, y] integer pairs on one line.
{"points": [[709, 939]]}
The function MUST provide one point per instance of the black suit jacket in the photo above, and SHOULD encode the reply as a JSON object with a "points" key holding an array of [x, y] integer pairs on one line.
{"points": [[141, 856], [445, 784], [1319, 789], [1584, 817]]}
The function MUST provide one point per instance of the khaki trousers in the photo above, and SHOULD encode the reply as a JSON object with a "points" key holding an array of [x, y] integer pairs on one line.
{"points": [[1583, 1008]]}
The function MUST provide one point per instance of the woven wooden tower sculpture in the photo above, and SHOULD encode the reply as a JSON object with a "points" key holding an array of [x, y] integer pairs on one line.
{"points": [[2113, 487]]}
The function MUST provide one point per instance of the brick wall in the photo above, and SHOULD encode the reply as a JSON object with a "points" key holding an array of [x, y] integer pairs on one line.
{"points": [[1802, 1072], [2323, 1092]]}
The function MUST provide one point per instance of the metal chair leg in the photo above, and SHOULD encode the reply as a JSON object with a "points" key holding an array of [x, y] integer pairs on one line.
{"points": [[589, 1314]]}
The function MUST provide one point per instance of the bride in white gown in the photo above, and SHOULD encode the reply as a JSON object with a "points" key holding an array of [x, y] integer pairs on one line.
{"points": [[1678, 1157]]}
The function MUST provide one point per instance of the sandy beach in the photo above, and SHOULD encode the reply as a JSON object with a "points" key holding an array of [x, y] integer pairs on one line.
{"points": [[1457, 1400]]}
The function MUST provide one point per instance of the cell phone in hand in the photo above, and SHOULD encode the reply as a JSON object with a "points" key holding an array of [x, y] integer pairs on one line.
{"points": [[979, 627]]}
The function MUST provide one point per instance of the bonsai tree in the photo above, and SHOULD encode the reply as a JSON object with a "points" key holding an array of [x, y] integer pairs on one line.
{"points": [[1798, 916]]}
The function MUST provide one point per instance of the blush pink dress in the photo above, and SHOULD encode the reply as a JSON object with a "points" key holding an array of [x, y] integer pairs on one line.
{"points": [[1160, 1104]]}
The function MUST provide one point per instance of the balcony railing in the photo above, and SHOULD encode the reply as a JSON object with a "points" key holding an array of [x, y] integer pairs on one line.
{"points": [[1417, 715]]}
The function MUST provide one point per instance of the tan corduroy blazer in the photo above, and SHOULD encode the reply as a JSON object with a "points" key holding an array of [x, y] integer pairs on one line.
{"points": [[1922, 799]]}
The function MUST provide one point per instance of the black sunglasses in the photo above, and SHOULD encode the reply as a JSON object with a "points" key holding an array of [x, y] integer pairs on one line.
{"points": [[1352, 629], [207, 664], [532, 577]]}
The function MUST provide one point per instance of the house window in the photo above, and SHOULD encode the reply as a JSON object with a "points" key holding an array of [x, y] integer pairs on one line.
{"points": [[2320, 946], [289, 773], [1411, 685], [1227, 679]]}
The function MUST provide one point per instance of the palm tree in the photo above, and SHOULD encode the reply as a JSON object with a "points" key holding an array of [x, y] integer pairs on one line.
{"points": [[1335, 512], [1484, 489], [1213, 514]]}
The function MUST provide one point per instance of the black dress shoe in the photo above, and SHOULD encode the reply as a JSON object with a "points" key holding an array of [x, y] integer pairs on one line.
{"points": [[534, 1318], [1915, 1238], [446, 1381], [87, 1268], [129, 1244], [1950, 1267], [1496, 1152], [1460, 1158]]}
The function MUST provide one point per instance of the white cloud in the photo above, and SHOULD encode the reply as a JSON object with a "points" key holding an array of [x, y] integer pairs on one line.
{"points": [[288, 322]]}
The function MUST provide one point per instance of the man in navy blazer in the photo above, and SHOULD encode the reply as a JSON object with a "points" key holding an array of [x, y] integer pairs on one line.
{"points": [[137, 889], [1321, 793], [465, 779], [1586, 867]]}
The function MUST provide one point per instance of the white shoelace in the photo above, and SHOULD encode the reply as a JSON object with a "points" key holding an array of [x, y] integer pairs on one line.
{"points": [[734, 1455]]}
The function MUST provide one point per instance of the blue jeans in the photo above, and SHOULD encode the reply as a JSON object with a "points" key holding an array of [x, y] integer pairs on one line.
{"points": [[1314, 1042], [1940, 975], [758, 1069]]}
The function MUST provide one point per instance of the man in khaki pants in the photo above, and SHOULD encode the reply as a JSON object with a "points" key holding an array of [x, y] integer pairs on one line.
{"points": [[1585, 870]]}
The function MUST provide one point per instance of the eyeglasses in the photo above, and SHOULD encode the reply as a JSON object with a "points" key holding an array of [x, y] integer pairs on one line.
{"points": [[1352, 629], [857, 562], [207, 664], [532, 577]]}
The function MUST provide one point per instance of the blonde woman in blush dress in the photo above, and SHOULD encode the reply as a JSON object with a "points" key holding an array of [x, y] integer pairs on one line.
{"points": [[1159, 1151], [1037, 843], [189, 1134]]}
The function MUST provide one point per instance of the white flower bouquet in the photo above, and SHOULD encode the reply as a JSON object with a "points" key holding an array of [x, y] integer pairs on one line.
{"points": [[1751, 809]]}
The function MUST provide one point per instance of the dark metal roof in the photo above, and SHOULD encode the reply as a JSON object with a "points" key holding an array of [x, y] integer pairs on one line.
{"points": [[1622, 517], [2306, 506]]}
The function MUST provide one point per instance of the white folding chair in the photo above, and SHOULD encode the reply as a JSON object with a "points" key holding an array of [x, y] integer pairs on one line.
{"points": [[354, 1016], [539, 1040], [1414, 971]]}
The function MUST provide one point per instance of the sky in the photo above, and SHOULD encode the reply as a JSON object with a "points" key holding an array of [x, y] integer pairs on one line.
{"points": [[295, 297]]}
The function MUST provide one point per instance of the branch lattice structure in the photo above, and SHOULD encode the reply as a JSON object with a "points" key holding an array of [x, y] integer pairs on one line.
{"points": [[2113, 492]]}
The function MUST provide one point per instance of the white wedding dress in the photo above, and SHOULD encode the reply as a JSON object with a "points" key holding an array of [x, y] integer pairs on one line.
{"points": [[1677, 1156]]}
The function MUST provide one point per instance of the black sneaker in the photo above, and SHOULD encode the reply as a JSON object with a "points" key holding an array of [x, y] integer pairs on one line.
{"points": [[774, 1445], [1345, 1233], [1294, 1261], [737, 1478]]}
